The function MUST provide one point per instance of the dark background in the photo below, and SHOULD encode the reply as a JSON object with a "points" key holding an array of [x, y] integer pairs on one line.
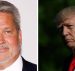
{"points": [[52, 51]]}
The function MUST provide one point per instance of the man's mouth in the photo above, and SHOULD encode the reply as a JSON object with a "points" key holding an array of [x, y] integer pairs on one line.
{"points": [[69, 40], [3, 48]]}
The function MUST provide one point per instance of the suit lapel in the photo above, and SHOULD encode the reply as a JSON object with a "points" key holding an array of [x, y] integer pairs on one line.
{"points": [[24, 65]]}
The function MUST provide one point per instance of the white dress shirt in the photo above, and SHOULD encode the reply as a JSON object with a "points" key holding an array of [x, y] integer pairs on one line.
{"points": [[16, 66]]}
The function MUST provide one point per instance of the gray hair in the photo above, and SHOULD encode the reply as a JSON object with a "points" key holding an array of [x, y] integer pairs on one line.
{"points": [[10, 8], [65, 13]]}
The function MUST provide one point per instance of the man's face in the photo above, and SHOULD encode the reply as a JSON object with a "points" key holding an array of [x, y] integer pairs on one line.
{"points": [[67, 29], [10, 39]]}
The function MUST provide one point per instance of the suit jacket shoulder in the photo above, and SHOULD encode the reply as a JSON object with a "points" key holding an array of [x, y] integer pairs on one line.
{"points": [[67, 63], [28, 66]]}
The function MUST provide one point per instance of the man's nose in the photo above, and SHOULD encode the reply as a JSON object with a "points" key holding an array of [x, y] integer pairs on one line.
{"points": [[65, 31], [1, 38]]}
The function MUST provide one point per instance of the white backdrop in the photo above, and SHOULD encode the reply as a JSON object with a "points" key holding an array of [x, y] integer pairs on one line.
{"points": [[28, 12]]}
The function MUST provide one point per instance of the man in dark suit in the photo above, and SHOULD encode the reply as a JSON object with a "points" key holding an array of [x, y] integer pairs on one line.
{"points": [[11, 39], [66, 25]]}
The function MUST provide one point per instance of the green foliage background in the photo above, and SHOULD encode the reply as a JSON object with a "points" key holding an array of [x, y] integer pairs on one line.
{"points": [[52, 51]]}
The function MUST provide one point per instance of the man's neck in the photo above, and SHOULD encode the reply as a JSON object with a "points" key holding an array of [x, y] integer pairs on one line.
{"points": [[8, 62]]}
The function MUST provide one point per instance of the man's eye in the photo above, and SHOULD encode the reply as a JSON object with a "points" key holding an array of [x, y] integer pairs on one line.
{"points": [[7, 31], [70, 26]]}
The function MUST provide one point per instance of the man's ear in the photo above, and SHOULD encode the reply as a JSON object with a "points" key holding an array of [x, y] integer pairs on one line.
{"points": [[20, 37]]}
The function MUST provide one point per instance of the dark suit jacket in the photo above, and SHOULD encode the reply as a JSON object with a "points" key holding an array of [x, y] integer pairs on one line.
{"points": [[67, 63], [27, 66]]}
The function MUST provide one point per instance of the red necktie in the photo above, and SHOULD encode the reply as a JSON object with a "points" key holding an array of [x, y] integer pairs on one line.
{"points": [[72, 65]]}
